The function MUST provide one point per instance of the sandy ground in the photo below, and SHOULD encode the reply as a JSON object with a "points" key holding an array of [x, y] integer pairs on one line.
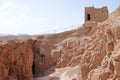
{"points": [[67, 73]]}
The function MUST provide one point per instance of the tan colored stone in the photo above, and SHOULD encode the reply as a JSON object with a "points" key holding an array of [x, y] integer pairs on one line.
{"points": [[117, 68], [118, 78], [96, 14], [105, 75], [16, 59], [110, 46], [94, 47]]}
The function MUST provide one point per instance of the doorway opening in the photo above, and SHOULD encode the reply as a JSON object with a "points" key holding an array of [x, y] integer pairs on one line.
{"points": [[88, 17], [33, 69]]}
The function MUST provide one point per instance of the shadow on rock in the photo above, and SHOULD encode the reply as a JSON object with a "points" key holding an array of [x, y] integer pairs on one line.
{"points": [[54, 78]]}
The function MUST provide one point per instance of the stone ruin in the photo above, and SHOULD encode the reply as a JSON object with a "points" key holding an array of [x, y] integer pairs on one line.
{"points": [[95, 15]]}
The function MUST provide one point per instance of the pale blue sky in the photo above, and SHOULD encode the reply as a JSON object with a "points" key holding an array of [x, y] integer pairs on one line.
{"points": [[42, 16]]}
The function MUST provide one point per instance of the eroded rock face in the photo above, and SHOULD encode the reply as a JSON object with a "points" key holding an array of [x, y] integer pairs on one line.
{"points": [[42, 48], [95, 48], [97, 51], [16, 59]]}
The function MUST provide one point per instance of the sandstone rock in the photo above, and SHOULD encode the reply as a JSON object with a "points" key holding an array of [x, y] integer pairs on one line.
{"points": [[104, 75], [118, 78], [16, 60], [110, 46], [96, 48], [117, 29], [117, 68]]}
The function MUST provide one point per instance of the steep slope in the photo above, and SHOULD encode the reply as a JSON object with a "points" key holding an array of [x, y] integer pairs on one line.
{"points": [[95, 48], [16, 59], [97, 52], [46, 45]]}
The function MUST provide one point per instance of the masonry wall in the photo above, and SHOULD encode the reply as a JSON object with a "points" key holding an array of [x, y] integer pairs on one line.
{"points": [[96, 14]]}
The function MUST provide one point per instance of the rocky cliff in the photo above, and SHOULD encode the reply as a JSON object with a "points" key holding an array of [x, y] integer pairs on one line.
{"points": [[91, 52], [16, 58]]}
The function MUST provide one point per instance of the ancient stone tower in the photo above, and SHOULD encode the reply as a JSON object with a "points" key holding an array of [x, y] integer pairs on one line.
{"points": [[96, 14]]}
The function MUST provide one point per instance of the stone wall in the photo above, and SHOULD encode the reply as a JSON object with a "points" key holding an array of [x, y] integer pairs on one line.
{"points": [[96, 14]]}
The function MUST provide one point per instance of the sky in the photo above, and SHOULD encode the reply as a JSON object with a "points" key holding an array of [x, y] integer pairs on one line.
{"points": [[45, 16]]}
